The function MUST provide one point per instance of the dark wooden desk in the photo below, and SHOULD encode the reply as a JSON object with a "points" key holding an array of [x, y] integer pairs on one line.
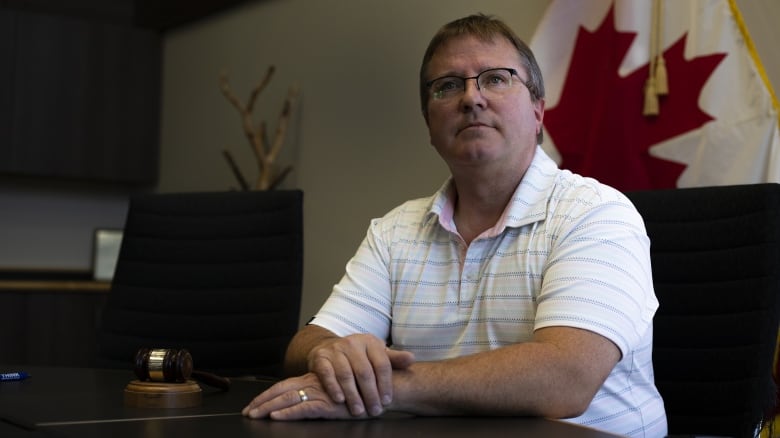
{"points": [[79, 402]]}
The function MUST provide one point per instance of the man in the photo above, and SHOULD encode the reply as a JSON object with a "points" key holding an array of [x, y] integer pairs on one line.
{"points": [[517, 289]]}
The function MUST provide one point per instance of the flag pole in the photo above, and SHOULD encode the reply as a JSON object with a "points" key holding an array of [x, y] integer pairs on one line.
{"points": [[754, 54]]}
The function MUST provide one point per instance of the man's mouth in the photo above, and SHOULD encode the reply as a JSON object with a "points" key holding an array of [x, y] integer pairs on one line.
{"points": [[473, 125]]}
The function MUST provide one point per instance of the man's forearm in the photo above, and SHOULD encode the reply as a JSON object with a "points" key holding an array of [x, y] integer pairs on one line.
{"points": [[297, 356], [549, 379], [488, 383]]}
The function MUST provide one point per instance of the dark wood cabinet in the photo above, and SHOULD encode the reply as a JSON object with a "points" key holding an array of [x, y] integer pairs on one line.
{"points": [[81, 98], [50, 322], [80, 85], [6, 73]]}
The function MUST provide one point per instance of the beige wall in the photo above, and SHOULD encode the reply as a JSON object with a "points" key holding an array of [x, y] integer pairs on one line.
{"points": [[362, 146], [357, 139]]}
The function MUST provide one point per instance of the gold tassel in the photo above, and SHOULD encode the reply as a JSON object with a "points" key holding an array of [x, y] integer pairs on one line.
{"points": [[661, 82], [651, 99]]}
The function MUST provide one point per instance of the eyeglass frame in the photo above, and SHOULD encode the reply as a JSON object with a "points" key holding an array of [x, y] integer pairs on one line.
{"points": [[512, 72]]}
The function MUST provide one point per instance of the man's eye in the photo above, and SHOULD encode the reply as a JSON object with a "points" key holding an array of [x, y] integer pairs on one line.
{"points": [[496, 79], [447, 85]]}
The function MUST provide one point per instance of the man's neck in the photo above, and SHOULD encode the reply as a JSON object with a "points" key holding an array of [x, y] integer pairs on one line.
{"points": [[480, 203], [484, 191]]}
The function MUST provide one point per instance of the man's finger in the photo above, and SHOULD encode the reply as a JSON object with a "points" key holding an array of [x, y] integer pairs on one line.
{"points": [[324, 368], [345, 378]]}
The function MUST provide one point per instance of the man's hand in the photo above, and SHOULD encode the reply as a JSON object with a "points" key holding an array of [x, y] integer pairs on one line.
{"points": [[296, 398], [357, 371]]}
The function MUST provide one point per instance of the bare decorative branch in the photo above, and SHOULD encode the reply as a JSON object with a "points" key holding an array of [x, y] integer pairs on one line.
{"points": [[236, 171], [265, 152]]}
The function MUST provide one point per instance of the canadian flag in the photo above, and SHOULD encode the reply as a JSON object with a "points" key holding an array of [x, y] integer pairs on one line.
{"points": [[656, 94]]}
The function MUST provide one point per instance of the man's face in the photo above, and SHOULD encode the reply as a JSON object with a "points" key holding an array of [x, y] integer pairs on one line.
{"points": [[482, 127]]}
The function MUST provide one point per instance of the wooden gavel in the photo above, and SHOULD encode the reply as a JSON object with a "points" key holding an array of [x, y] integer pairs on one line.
{"points": [[172, 366]]}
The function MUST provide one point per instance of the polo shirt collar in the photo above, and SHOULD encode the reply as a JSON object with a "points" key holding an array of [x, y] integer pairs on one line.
{"points": [[527, 205]]}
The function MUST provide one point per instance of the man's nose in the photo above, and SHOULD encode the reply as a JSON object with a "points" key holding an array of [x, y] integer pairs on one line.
{"points": [[472, 94]]}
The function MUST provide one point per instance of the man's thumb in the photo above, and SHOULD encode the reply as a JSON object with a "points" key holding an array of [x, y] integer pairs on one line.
{"points": [[400, 359]]}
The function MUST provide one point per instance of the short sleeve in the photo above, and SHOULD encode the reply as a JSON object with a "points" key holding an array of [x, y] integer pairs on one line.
{"points": [[598, 276], [360, 302]]}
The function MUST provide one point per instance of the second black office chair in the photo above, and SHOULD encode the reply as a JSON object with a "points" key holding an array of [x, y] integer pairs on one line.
{"points": [[219, 274], [716, 270]]}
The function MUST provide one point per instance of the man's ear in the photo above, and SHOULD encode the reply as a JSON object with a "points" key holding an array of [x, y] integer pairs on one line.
{"points": [[539, 113]]}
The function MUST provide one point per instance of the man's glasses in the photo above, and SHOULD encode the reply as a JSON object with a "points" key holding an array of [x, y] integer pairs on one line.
{"points": [[494, 81]]}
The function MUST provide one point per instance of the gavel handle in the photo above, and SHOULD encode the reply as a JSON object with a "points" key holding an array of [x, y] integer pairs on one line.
{"points": [[210, 379]]}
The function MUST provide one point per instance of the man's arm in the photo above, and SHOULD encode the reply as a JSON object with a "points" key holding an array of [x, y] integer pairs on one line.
{"points": [[555, 375], [296, 360]]}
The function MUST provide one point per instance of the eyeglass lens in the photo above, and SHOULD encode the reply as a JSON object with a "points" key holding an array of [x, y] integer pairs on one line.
{"points": [[494, 80]]}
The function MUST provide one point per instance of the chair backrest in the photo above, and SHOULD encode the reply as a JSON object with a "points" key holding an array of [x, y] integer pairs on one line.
{"points": [[219, 274], [715, 255]]}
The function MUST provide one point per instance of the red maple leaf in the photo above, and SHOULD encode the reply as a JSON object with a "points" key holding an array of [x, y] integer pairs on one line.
{"points": [[598, 126]]}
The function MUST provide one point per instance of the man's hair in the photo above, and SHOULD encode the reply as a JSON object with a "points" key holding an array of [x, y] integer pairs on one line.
{"points": [[485, 28]]}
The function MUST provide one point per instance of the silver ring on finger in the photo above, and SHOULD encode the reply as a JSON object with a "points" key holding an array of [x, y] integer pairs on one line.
{"points": [[302, 394]]}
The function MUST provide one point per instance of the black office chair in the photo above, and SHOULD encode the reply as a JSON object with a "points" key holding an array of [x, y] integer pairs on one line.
{"points": [[218, 274], [716, 268]]}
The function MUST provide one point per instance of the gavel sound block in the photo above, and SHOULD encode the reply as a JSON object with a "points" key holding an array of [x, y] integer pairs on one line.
{"points": [[163, 380], [139, 394]]}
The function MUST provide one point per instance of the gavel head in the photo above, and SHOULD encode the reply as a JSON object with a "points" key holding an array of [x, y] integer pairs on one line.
{"points": [[163, 365]]}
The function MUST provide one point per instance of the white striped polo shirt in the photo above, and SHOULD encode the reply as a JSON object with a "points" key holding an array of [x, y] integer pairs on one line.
{"points": [[568, 251]]}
